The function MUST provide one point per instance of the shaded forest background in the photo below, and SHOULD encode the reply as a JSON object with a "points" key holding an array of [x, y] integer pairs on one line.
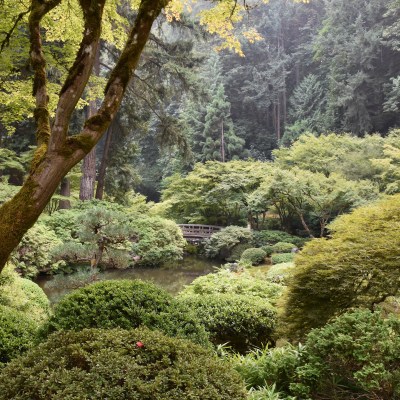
{"points": [[325, 66]]}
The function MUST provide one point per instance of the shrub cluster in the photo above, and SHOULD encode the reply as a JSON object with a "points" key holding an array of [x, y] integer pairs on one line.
{"points": [[125, 304], [239, 321], [270, 237], [119, 364], [227, 282], [222, 243], [282, 258], [17, 334], [254, 256]]}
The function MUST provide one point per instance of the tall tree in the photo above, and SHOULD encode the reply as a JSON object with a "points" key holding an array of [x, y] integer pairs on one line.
{"points": [[57, 152]]}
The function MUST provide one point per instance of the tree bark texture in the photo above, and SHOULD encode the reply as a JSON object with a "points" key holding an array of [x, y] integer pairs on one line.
{"points": [[57, 152], [103, 166], [65, 190]]}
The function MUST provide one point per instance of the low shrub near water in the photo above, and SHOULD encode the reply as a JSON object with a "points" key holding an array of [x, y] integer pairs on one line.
{"points": [[227, 282], [118, 364], [125, 304], [254, 256], [239, 321], [282, 258], [221, 244]]}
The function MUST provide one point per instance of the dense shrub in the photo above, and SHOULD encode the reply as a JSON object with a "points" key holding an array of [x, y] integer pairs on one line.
{"points": [[225, 281], [17, 334], [240, 321], [254, 255], [357, 266], [222, 243], [357, 356], [34, 254], [283, 247], [282, 258], [269, 238], [23, 295], [125, 304], [158, 240], [237, 251], [116, 364]]}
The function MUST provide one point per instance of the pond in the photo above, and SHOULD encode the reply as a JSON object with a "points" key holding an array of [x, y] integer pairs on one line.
{"points": [[172, 277]]}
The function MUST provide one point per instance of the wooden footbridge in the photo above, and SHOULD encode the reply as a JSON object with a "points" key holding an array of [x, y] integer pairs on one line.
{"points": [[196, 233]]}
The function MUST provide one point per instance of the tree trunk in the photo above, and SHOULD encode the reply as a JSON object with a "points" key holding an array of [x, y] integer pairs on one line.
{"points": [[65, 191], [88, 179], [103, 166], [57, 152]]}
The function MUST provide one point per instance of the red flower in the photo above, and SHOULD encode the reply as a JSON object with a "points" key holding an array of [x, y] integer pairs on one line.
{"points": [[139, 344]]}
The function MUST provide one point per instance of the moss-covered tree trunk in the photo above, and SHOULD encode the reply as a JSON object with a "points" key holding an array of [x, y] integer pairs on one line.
{"points": [[57, 152]]}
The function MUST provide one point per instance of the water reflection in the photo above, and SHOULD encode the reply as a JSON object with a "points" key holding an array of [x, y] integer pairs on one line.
{"points": [[172, 277]]}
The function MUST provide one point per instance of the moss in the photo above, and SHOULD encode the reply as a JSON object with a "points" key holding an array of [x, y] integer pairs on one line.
{"points": [[40, 153], [78, 142]]}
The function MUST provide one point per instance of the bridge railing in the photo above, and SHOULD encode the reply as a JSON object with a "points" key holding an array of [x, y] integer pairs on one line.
{"points": [[198, 231]]}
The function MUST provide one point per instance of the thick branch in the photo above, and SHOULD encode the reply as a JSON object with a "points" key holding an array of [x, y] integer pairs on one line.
{"points": [[80, 71], [38, 10], [121, 74]]}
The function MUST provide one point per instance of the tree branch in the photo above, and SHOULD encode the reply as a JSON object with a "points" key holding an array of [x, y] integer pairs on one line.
{"points": [[80, 71], [38, 10], [120, 76]]}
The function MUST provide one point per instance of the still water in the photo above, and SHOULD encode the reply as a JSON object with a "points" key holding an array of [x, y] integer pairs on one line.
{"points": [[172, 277]]}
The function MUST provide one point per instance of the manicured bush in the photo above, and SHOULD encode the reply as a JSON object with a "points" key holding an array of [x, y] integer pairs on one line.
{"points": [[222, 243], [237, 251], [254, 255], [225, 281], [282, 258], [17, 334], [119, 364], [269, 238], [158, 240], [240, 321], [23, 295], [283, 247], [357, 356], [125, 304]]}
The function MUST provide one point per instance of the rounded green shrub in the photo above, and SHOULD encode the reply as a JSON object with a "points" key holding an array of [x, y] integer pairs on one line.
{"points": [[125, 304], [23, 295], [119, 364], [237, 320], [17, 334], [237, 251], [282, 258], [254, 255], [222, 243], [227, 282], [357, 356], [283, 247]]}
